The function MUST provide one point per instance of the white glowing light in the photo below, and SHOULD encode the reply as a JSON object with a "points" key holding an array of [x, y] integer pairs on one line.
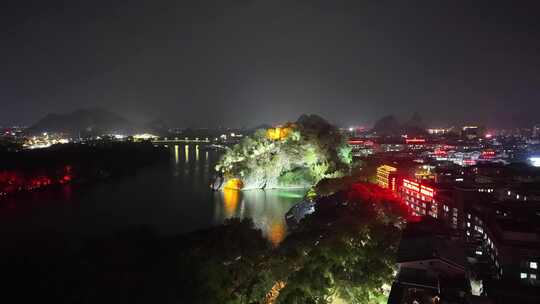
{"points": [[535, 161], [144, 136]]}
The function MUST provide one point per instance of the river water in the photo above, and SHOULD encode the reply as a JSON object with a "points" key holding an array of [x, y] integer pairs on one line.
{"points": [[170, 197]]}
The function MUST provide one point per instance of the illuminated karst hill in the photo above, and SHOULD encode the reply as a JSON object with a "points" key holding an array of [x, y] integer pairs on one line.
{"points": [[292, 155]]}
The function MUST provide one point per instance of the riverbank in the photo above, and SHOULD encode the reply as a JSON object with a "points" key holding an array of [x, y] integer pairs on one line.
{"points": [[32, 170]]}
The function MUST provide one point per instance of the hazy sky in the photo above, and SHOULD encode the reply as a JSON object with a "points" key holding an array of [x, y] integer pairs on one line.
{"points": [[242, 63]]}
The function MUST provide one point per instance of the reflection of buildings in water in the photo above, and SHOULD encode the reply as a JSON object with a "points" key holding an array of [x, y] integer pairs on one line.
{"points": [[176, 154], [196, 164], [186, 153]]}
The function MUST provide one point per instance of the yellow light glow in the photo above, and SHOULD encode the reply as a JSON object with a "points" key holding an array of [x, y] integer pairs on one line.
{"points": [[231, 198], [144, 136], [273, 294], [234, 183], [383, 173], [276, 233], [278, 133]]}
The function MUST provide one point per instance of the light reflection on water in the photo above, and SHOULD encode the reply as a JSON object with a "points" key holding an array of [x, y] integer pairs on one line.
{"points": [[172, 197], [266, 208]]}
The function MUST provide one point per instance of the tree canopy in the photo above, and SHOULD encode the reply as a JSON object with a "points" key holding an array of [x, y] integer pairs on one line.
{"points": [[304, 153]]}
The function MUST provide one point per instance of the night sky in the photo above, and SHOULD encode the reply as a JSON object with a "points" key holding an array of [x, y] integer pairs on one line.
{"points": [[243, 63]]}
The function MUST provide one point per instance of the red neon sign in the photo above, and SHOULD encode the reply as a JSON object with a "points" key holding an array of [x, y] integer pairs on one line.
{"points": [[440, 152], [411, 185], [415, 141], [425, 190], [488, 154], [469, 162]]}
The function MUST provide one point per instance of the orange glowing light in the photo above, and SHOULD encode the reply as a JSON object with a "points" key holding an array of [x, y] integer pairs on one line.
{"points": [[231, 198], [276, 233], [278, 133], [273, 294], [234, 183]]}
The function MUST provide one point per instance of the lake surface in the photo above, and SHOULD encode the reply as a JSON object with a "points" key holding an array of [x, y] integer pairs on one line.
{"points": [[171, 197]]}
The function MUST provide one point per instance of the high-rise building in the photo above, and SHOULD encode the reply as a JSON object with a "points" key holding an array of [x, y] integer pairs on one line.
{"points": [[385, 177]]}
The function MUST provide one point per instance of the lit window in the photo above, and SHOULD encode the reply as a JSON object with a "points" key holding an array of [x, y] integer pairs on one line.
{"points": [[468, 224], [509, 192], [533, 265], [478, 252], [533, 276], [523, 275], [468, 233]]}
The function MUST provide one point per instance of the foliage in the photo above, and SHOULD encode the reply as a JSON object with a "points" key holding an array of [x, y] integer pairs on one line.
{"points": [[312, 150], [344, 251]]}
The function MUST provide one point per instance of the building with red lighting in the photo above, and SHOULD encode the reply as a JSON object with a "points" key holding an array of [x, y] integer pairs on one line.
{"points": [[430, 200], [420, 198]]}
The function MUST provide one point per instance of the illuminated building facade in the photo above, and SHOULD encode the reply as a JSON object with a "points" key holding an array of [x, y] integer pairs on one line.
{"points": [[386, 177], [438, 131], [361, 147], [472, 132], [278, 133], [420, 198]]}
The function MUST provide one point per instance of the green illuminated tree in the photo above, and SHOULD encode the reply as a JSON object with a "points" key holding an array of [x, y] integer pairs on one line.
{"points": [[313, 150]]}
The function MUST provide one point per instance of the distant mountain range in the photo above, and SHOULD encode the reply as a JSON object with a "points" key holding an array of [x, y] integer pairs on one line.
{"points": [[390, 126], [100, 121], [87, 121]]}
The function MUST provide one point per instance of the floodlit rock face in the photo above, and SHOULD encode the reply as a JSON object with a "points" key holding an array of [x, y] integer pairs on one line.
{"points": [[292, 155]]}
